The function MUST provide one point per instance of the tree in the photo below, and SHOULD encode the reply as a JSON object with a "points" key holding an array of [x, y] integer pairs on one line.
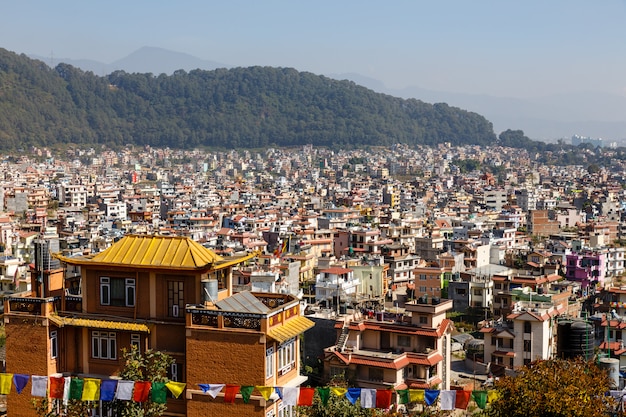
{"points": [[150, 366], [554, 388]]}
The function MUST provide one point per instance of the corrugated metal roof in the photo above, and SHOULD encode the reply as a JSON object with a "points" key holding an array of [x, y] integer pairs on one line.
{"points": [[172, 252], [243, 302], [99, 324], [291, 328]]}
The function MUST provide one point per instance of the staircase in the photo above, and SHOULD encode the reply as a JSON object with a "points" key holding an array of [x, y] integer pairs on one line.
{"points": [[343, 338]]}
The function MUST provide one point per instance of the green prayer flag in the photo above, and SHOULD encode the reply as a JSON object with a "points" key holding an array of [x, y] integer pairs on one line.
{"points": [[481, 398], [76, 389], [324, 393], [403, 395], [246, 392], [158, 393]]}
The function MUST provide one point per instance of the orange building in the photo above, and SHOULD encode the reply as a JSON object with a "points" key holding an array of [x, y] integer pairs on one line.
{"points": [[155, 292]]}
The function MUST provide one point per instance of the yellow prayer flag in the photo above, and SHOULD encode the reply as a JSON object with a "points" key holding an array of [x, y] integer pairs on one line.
{"points": [[5, 383], [266, 392], [91, 389], [176, 388], [416, 395], [338, 391], [492, 395]]}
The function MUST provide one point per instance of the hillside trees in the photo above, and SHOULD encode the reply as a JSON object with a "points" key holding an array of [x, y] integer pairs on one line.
{"points": [[239, 107]]}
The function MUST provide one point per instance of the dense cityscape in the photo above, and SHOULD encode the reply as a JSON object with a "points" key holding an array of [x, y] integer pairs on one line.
{"points": [[404, 271]]}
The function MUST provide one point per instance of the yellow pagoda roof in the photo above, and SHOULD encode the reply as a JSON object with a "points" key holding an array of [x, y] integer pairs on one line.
{"points": [[149, 251]]}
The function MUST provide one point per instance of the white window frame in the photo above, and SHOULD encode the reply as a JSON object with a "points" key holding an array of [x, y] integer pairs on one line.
{"points": [[105, 291], [286, 410], [135, 340], [269, 362], [286, 356], [129, 291], [54, 344], [103, 339]]}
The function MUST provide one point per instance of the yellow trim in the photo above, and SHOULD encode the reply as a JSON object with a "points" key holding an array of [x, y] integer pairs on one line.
{"points": [[99, 324], [225, 263], [291, 328]]}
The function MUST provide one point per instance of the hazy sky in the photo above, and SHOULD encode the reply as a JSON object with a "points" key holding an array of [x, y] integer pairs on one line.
{"points": [[496, 47]]}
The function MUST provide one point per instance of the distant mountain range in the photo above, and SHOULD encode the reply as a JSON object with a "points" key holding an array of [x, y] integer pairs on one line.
{"points": [[545, 118]]}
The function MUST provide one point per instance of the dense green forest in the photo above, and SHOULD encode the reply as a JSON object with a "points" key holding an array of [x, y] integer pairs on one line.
{"points": [[235, 108]]}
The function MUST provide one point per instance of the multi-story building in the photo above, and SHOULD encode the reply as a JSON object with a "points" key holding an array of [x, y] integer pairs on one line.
{"points": [[401, 264], [398, 352], [528, 334], [154, 292], [428, 280], [587, 268], [336, 285]]}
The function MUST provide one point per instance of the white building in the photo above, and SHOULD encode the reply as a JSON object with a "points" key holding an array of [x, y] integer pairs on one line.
{"points": [[530, 335]]}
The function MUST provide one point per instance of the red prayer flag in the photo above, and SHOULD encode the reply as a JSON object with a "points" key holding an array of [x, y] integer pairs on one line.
{"points": [[57, 383], [141, 393], [383, 398], [230, 393], [306, 396], [462, 399]]}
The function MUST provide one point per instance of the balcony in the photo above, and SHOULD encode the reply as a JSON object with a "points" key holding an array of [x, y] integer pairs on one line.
{"points": [[22, 303]]}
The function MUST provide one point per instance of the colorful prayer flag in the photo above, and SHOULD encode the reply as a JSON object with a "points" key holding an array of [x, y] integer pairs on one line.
{"points": [[211, 389], [91, 389], [76, 389], [57, 383], [231, 393], [353, 394], [416, 395], [290, 395], [177, 388], [368, 397], [125, 390], [246, 392], [39, 386], [462, 399], [480, 397], [383, 398], [158, 394], [430, 396], [107, 389], [5, 383], [265, 391], [447, 398], [403, 396], [324, 393], [305, 398], [339, 391], [20, 381], [141, 393]]}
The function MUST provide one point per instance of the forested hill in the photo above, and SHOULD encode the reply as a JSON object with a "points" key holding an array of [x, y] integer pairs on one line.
{"points": [[241, 107]]}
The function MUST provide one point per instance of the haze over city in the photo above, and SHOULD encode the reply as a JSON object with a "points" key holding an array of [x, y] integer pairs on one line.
{"points": [[522, 65]]}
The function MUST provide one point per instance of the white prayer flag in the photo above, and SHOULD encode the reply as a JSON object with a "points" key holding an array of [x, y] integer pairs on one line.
{"points": [[39, 387], [125, 390]]}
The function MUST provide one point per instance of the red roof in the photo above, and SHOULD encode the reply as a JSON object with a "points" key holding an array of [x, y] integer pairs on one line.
{"points": [[425, 385], [336, 270]]}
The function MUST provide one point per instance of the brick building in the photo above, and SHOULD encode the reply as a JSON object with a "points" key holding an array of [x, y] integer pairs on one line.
{"points": [[155, 292]]}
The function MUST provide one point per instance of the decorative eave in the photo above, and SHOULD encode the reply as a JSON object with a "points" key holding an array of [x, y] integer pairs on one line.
{"points": [[156, 252]]}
